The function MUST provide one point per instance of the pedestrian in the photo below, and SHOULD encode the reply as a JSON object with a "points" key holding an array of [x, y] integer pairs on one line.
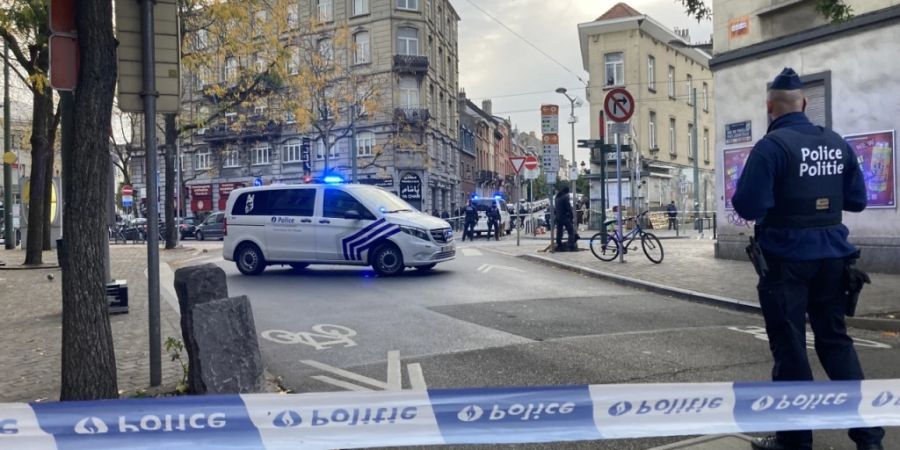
{"points": [[585, 213], [672, 212], [435, 213], [445, 215], [471, 219], [564, 217], [800, 236], [493, 218]]}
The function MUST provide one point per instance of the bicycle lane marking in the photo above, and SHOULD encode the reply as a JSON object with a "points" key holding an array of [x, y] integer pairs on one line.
{"points": [[760, 333], [322, 337]]}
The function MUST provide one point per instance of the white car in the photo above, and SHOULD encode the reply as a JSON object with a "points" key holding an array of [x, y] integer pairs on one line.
{"points": [[345, 224]]}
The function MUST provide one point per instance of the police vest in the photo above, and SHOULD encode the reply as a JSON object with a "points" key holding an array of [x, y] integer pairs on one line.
{"points": [[811, 193]]}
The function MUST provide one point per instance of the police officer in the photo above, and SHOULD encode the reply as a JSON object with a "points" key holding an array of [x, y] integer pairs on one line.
{"points": [[471, 218], [564, 217], [493, 217], [797, 181]]}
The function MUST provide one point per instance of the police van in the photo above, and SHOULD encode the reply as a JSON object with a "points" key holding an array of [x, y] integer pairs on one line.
{"points": [[483, 205], [347, 224]]}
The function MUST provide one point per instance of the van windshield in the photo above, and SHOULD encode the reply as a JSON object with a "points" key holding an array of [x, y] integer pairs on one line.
{"points": [[387, 202], [483, 204]]}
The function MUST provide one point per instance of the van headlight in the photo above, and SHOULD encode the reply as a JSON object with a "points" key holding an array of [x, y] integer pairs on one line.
{"points": [[417, 232]]}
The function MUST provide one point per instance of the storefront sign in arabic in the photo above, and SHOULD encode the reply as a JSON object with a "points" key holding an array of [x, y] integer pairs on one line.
{"points": [[411, 187]]}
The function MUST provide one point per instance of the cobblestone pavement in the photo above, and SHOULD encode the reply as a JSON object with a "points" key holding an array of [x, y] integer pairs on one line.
{"points": [[31, 324], [690, 264]]}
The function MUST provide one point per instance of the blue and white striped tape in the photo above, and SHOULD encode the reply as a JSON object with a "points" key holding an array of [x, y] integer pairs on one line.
{"points": [[456, 416]]}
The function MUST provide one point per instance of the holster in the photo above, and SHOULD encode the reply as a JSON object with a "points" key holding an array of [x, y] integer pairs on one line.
{"points": [[754, 252], [854, 280]]}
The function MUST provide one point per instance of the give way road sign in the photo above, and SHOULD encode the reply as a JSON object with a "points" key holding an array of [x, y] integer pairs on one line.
{"points": [[517, 163], [619, 105]]}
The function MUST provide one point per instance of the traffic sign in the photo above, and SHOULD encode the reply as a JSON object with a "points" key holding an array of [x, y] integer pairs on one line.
{"points": [[549, 119], [258, 181], [531, 174], [619, 105], [127, 190], [517, 163], [531, 163], [64, 62]]}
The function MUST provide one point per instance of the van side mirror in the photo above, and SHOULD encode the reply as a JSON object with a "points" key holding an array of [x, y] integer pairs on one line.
{"points": [[352, 215]]}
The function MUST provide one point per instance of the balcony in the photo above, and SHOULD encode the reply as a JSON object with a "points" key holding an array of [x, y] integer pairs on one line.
{"points": [[249, 131], [412, 116], [415, 65]]}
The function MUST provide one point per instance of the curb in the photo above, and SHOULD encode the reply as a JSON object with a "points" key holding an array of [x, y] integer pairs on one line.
{"points": [[24, 267], [699, 297]]}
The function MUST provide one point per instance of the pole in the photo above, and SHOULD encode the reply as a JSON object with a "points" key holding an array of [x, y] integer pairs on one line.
{"points": [[696, 165], [575, 180], [353, 150], [110, 219], [10, 233], [619, 201], [178, 212], [517, 216], [149, 94]]}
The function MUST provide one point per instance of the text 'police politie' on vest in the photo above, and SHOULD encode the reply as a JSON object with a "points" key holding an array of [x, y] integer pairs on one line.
{"points": [[821, 161]]}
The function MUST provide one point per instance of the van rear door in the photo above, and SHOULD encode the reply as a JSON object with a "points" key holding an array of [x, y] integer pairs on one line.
{"points": [[290, 234]]}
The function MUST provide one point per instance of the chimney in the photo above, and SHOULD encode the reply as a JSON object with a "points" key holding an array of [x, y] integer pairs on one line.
{"points": [[684, 34], [487, 107]]}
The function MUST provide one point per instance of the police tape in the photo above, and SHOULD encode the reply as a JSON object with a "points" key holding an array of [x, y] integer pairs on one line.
{"points": [[454, 416]]}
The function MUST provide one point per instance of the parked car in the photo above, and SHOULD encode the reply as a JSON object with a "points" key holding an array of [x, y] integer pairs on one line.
{"points": [[213, 227], [187, 227]]}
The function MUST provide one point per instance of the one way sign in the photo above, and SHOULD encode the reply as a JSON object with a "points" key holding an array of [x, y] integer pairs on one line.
{"points": [[619, 105]]}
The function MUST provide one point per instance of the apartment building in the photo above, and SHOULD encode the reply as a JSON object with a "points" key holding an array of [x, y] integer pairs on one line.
{"points": [[626, 49], [851, 83], [406, 50]]}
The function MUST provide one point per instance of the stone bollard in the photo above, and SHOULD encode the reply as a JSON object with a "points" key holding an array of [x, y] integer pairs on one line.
{"points": [[219, 334]]}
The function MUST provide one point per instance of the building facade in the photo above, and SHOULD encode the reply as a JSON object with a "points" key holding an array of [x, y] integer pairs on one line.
{"points": [[626, 49], [754, 41], [405, 49]]}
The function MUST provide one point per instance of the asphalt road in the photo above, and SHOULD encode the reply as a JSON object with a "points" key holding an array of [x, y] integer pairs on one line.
{"points": [[487, 319]]}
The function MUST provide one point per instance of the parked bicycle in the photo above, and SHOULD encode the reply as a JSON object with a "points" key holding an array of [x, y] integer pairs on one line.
{"points": [[609, 250]]}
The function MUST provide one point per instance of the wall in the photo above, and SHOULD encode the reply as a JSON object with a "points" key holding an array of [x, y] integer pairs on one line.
{"points": [[862, 101]]}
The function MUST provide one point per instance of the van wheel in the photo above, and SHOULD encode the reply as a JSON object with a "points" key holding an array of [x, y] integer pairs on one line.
{"points": [[387, 260], [299, 266], [249, 259], [199, 235]]}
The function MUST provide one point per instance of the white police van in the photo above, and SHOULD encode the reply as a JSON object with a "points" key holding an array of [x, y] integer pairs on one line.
{"points": [[346, 224], [483, 204]]}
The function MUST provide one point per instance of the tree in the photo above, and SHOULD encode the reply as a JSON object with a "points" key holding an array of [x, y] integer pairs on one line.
{"points": [[24, 28], [88, 359], [834, 10]]}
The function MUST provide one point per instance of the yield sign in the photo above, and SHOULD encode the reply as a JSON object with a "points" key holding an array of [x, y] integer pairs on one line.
{"points": [[518, 162], [619, 105], [531, 162]]}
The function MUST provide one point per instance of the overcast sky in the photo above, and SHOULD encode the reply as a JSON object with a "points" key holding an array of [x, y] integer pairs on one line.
{"points": [[494, 63]]}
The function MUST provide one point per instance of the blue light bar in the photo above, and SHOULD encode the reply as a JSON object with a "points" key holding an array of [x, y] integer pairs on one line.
{"points": [[333, 179]]}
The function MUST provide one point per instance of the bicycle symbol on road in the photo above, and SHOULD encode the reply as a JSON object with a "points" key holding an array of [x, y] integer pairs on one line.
{"points": [[322, 337]]}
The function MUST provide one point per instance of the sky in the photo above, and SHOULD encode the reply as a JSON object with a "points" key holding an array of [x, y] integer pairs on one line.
{"points": [[495, 64]]}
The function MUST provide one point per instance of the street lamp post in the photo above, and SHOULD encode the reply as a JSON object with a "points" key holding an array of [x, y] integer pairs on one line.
{"points": [[572, 120]]}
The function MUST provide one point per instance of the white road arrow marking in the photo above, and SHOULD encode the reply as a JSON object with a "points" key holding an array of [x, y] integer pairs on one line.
{"points": [[485, 268], [363, 383]]}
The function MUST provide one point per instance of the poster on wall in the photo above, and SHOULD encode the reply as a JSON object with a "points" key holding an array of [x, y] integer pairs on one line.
{"points": [[735, 159], [875, 152]]}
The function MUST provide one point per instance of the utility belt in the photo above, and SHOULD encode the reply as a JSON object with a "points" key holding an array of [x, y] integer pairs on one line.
{"points": [[853, 278]]}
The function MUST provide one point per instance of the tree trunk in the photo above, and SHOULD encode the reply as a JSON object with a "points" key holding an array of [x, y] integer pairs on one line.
{"points": [[169, 194], [40, 126], [88, 359], [51, 171]]}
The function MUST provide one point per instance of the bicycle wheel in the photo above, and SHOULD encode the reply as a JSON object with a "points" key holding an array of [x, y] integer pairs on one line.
{"points": [[606, 252], [652, 247]]}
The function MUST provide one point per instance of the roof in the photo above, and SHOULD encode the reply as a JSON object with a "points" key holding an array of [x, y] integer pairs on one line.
{"points": [[619, 11]]}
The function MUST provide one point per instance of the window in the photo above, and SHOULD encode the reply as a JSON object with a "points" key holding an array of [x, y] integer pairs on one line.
{"points": [[361, 43], [672, 148], [412, 5], [651, 73], [360, 7], [615, 69], [705, 97], [203, 160], [293, 64], [325, 10], [671, 81], [320, 149], [290, 117], [292, 202], [690, 90], [652, 130], [293, 16], [292, 152], [260, 62], [706, 145], [690, 141], [325, 49], [231, 158], [231, 69], [259, 21], [365, 144], [337, 203], [261, 155], [409, 92], [408, 41], [231, 117], [260, 109], [201, 39], [251, 204]]}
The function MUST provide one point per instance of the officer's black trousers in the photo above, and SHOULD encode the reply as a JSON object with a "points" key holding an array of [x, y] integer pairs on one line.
{"points": [[569, 228], [791, 291], [468, 230]]}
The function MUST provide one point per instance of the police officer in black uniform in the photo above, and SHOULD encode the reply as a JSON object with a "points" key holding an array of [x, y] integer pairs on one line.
{"points": [[471, 219], [493, 218], [797, 181]]}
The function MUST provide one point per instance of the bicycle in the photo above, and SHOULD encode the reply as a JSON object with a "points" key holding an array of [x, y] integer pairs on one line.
{"points": [[609, 250]]}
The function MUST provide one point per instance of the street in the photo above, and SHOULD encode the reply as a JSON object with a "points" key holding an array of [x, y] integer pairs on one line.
{"points": [[488, 319]]}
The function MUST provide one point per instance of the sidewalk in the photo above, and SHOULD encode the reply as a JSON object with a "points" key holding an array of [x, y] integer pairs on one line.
{"points": [[691, 270], [31, 326]]}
